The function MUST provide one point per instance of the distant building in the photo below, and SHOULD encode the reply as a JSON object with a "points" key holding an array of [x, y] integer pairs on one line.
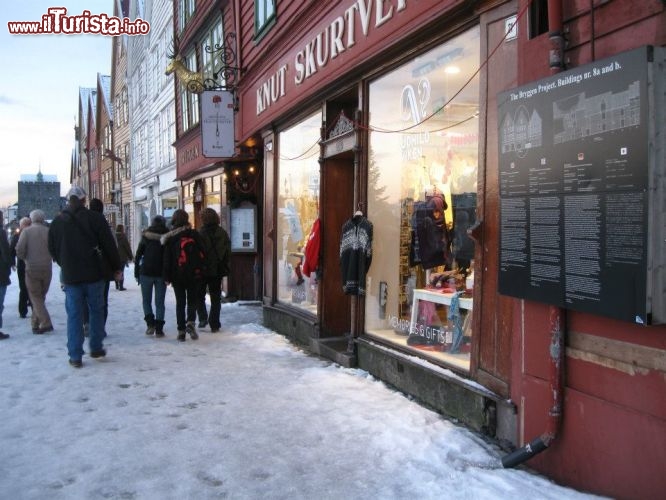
{"points": [[10, 213], [39, 191]]}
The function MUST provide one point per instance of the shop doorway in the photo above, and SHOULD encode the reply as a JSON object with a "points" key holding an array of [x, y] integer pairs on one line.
{"points": [[337, 202]]}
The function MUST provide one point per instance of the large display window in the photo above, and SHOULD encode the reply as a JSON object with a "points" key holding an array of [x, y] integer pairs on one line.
{"points": [[298, 209], [422, 183]]}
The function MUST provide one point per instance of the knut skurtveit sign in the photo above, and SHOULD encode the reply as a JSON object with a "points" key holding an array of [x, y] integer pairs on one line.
{"points": [[573, 174]]}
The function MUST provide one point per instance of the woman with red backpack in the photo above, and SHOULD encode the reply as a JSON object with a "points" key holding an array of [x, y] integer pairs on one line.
{"points": [[184, 268]]}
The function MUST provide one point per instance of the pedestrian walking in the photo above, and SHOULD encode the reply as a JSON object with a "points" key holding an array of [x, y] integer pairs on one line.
{"points": [[217, 247], [32, 247], [148, 268], [80, 240], [19, 266], [96, 205], [125, 252], [183, 269], [5, 269]]}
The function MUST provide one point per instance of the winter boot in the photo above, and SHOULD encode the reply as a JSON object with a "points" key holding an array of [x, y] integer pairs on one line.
{"points": [[159, 328], [150, 324], [121, 286], [181, 336], [191, 330], [117, 287]]}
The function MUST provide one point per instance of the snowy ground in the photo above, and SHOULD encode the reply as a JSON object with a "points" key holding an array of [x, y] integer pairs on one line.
{"points": [[237, 414]]}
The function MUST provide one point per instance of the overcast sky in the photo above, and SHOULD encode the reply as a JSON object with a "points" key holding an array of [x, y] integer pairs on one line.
{"points": [[41, 76]]}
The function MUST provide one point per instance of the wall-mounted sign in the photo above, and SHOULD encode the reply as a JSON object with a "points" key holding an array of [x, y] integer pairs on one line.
{"points": [[217, 123], [111, 208], [573, 180], [243, 223]]}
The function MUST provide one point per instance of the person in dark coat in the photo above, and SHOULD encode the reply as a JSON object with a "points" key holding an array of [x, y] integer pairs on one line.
{"points": [[148, 268], [5, 269], [19, 266], [125, 252], [79, 241], [185, 285], [217, 247], [97, 205]]}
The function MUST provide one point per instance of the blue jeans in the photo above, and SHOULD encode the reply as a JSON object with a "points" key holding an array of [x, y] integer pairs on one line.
{"points": [[76, 298], [148, 283], [3, 291]]}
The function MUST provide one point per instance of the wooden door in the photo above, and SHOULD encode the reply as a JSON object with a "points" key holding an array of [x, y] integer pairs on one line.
{"points": [[337, 201], [493, 313]]}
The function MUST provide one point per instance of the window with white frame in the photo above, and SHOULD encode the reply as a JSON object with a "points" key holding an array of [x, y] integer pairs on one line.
{"points": [[185, 12], [189, 101], [127, 163], [155, 62], [210, 50], [159, 151], [125, 105], [264, 14], [171, 116]]}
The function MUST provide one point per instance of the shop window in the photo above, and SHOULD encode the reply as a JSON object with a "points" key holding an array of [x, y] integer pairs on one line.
{"points": [[264, 16], [212, 197], [298, 207], [422, 183], [169, 206]]}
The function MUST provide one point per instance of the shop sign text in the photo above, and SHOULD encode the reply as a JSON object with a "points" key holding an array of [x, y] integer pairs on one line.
{"points": [[338, 36]]}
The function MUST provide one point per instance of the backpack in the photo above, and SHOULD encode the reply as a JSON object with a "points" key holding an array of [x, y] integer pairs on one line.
{"points": [[191, 260]]}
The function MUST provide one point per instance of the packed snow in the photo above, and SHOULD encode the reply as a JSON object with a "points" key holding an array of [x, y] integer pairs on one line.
{"points": [[237, 414]]}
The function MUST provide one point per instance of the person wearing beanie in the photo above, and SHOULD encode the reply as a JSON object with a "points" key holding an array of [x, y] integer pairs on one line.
{"points": [[97, 205], [80, 240]]}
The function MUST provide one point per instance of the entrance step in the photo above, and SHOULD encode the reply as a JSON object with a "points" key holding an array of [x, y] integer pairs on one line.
{"points": [[335, 349]]}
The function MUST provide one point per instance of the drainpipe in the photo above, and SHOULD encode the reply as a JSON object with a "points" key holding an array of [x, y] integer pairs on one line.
{"points": [[556, 36], [557, 315], [557, 318]]}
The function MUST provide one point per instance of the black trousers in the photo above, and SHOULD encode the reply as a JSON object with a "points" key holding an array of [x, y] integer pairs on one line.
{"points": [[24, 299], [213, 286], [186, 303]]}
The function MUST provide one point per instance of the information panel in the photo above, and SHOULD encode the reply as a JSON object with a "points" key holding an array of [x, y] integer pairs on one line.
{"points": [[243, 222], [573, 181]]}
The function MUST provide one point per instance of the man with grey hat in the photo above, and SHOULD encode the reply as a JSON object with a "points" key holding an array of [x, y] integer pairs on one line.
{"points": [[79, 240]]}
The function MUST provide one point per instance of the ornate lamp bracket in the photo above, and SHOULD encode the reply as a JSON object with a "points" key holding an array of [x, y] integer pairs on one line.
{"points": [[225, 72]]}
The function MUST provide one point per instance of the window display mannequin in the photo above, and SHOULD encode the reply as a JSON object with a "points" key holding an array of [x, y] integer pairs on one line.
{"points": [[431, 244]]}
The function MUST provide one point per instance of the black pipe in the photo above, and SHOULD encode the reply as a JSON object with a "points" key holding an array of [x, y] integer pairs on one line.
{"points": [[525, 453]]}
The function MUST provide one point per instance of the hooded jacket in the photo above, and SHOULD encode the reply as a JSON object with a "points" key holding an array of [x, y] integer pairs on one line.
{"points": [[148, 260], [171, 243], [217, 247]]}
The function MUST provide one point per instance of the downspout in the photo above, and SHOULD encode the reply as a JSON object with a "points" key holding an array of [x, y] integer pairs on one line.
{"points": [[556, 315], [556, 36], [557, 319]]}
